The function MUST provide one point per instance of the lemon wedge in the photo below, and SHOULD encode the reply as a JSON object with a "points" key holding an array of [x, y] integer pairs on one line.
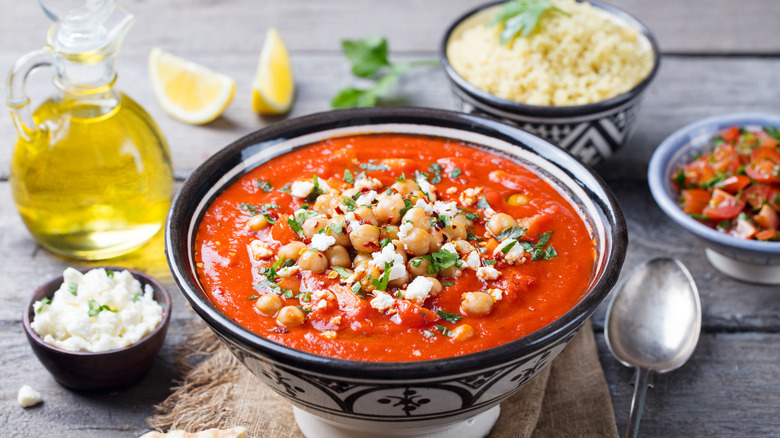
{"points": [[273, 87], [187, 91]]}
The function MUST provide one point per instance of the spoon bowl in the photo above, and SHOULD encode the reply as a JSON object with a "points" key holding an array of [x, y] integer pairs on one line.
{"points": [[653, 324]]}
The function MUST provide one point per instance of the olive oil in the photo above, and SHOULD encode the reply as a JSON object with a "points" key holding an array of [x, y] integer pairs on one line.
{"points": [[93, 183]]}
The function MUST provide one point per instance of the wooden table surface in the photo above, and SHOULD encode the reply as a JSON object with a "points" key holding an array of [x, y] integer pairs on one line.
{"points": [[719, 56]]}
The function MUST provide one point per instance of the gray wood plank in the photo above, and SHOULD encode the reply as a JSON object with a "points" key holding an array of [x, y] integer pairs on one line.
{"points": [[238, 26], [685, 90]]}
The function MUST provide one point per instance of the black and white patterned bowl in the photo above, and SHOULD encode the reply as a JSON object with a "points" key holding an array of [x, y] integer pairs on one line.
{"points": [[409, 396], [592, 132]]}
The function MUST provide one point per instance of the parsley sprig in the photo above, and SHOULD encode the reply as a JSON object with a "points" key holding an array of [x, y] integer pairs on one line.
{"points": [[521, 17], [369, 60]]}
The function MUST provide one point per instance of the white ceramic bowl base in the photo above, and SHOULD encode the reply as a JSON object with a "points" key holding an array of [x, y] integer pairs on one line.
{"points": [[769, 274], [476, 427]]}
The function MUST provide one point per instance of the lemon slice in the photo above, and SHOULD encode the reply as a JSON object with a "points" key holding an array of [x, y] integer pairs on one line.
{"points": [[187, 91], [273, 87]]}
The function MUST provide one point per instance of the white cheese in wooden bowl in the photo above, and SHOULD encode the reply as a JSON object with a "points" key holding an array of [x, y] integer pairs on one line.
{"points": [[98, 311]]}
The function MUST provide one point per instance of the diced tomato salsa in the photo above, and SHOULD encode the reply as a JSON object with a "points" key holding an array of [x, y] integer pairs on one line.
{"points": [[393, 248], [735, 188]]}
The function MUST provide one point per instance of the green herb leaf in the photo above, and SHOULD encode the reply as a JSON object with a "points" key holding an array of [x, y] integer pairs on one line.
{"points": [[381, 283], [447, 283], [449, 317], [316, 191], [367, 56], [483, 203], [137, 297], [407, 205], [455, 173], [343, 273], [521, 17], [508, 247], [444, 330], [253, 297], [772, 132], [358, 290], [45, 301], [511, 233], [402, 177], [95, 308], [285, 188], [109, 273], [295, 226], [373, 166], [265, 186], [349, 203], [348, 178], [73, 288]]}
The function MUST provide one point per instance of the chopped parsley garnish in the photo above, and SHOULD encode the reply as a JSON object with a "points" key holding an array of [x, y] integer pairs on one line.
{"points": [[348, 178], [45, 301], [483, 203], [358, 290], [455, 173], [449, 317], [336, 228], [109, 274], [95, 308], [511, 233], [440, 260], [407, 205], [401, 178], [285, 188], [385, 242], [73, 288], [444, 330], [447, 283], [295, 226], [772, 132], [679, 178], [435, 169], [488, 262], [472, 216], [372, 165], [343, 273], [381, 283], [521, 17], [263, 209], [253, 297], [316, 191], [538, 250], [508, 247], [349, 203], [137, 297], [265, 186]]}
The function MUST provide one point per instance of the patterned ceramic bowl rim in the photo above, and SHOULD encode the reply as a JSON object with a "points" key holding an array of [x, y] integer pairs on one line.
{"points": [[545, 111], [680, 147], [211, 177]]}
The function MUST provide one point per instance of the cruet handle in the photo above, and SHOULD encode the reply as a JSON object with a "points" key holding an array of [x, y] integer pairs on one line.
{"points": [[16, 97]]}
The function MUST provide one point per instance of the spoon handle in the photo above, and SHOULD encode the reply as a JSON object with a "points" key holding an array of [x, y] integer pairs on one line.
{"points": [[641, 379]]}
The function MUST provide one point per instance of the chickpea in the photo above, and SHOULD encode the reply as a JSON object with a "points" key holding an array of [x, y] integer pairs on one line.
{"points": [[361, 259], [418, 266], [365, 238], [367, 215], [399, 248], [290, 316], [437, 240], [323, 204], [338, 256], [269, 304], [418, 218], [457, 229], [372, 273], [400, 281], [436, 286], [417, 242], [405, 187], [257, 223], [517, 199], [452, 271], [476, 304], [499, 222], [292, 250], [342, 238], [314, 224], [314, 261], [461, 333], [389, 232], [388, 210]]}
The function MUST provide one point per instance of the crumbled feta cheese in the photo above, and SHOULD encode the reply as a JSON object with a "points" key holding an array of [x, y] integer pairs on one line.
{"points": [[404, 229], [488, 273], [452, 190], [301, 189], [513, 254], [445, 208], [425, 186], [366, 199], [424, 205], [472, 260], [329, 334], [449, 247], [470, 196], [322, 242], [368, 183], [323, 185], [419, 289], [382, 301], [288, 271], [388, 255], [463, 246], [497, 294], [27, 396], [260, 250], [66, 321]]}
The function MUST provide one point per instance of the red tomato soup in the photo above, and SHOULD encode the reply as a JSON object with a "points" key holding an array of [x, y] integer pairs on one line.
{"points": [[393, 248]]}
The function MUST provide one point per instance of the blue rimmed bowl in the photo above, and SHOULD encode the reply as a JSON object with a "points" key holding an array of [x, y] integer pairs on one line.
{"points": [[747, 260], [456, 395], [592, 132]]}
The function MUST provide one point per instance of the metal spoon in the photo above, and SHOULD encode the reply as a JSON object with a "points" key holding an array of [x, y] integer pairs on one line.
{"points": [[653, 325]]}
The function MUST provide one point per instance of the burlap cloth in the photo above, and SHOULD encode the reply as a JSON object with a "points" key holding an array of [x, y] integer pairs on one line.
{"points": [[570, 398]]}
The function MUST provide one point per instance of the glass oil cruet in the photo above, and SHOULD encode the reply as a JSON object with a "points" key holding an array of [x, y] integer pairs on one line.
{"points": [[91, 172]]}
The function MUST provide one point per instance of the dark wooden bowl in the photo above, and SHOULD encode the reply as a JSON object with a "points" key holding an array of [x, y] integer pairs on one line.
{"points": [[95, 371]]}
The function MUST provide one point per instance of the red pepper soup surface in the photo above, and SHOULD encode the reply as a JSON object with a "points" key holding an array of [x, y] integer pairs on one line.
{"points": [[393, 248]]}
